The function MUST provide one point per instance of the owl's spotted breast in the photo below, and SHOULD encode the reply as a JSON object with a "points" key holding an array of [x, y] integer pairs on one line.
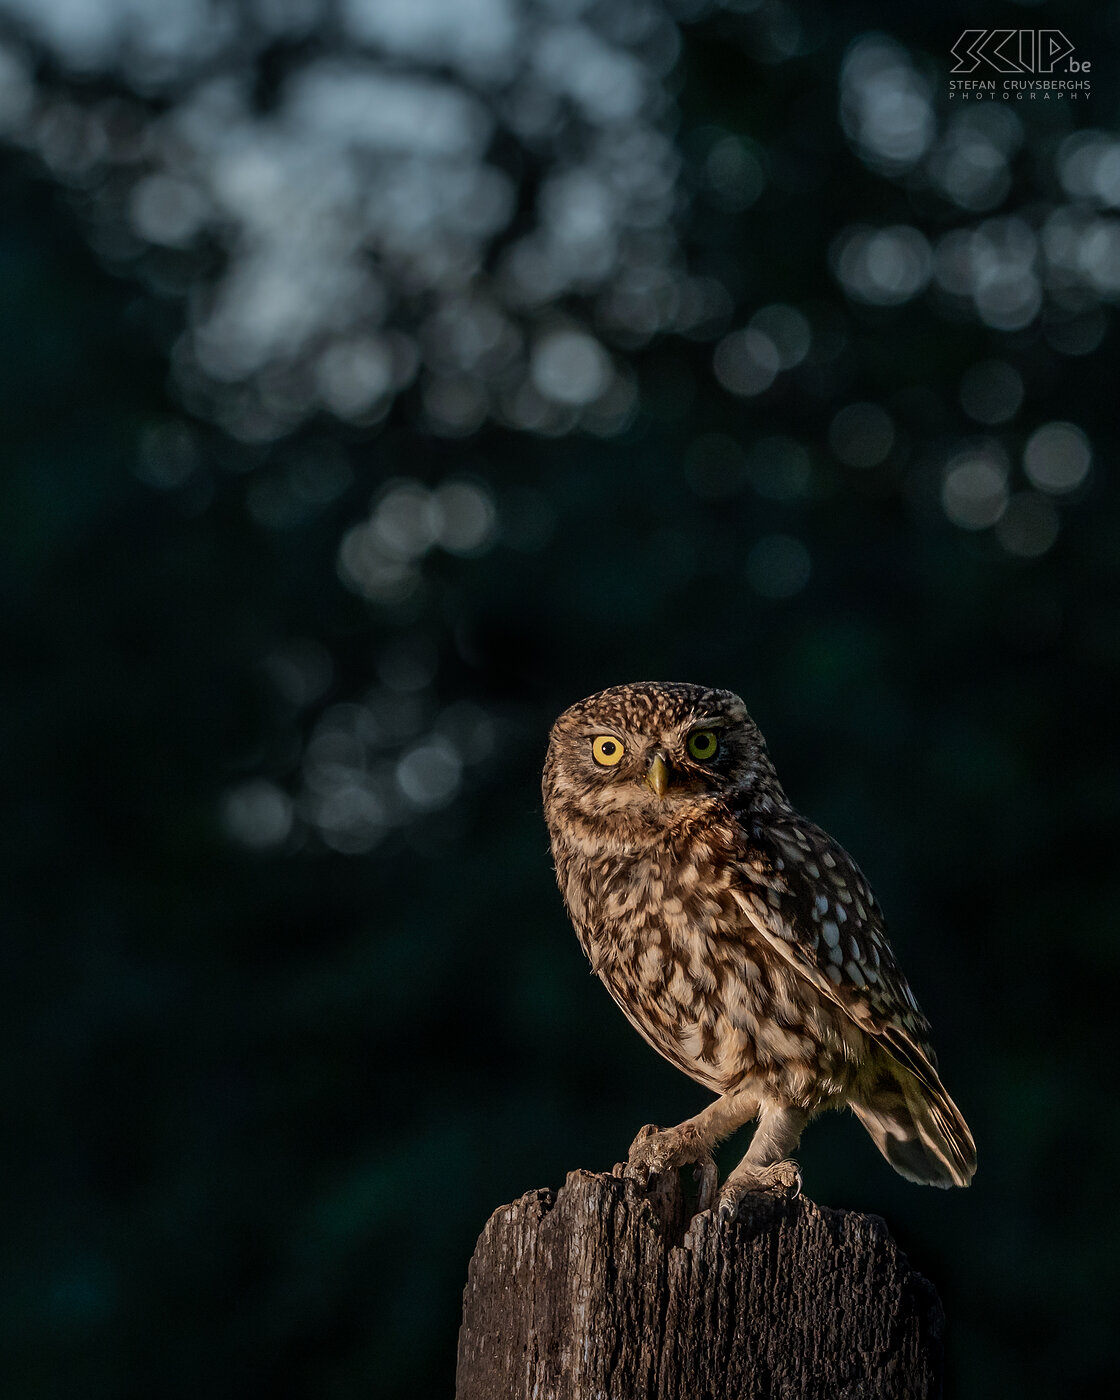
{"points": [[665, 930]]}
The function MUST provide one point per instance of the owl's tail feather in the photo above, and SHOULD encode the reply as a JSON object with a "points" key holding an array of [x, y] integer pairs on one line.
{"points": [[917, 1126]]}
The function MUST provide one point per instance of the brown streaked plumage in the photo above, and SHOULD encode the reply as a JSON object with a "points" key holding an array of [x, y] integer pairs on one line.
{"points": [[738, 938]]}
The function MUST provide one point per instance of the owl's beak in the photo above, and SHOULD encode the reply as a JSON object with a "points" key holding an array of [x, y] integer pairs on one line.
{"points": [[658, 775]]}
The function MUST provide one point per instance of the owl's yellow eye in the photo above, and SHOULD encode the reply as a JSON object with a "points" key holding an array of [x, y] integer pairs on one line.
{"points": [[606, 750], [703, 744]]}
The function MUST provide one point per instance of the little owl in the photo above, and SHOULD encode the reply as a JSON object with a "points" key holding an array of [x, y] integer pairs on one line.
{"points": [[738, 938]]}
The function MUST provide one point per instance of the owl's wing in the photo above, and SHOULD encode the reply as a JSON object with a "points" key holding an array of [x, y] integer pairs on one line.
{"points": [[807, 897]]}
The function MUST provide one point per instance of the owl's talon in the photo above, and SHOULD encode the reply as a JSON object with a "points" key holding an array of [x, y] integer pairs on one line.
{"points": [[781, 1179], [644, 1134], [643, 1159], [655, 1150], [786, 1177]]}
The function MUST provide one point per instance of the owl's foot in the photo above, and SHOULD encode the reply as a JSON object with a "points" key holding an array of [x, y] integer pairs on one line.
{"points": [[780, 1179], [656, 1150]]}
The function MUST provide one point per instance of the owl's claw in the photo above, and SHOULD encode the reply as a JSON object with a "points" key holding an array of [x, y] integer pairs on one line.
{"points": [[638, 1166], [644, 1133], [657, 1150], [780, 1179]]}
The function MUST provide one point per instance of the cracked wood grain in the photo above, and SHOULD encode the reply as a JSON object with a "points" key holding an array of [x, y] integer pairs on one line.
{"points": [[600, 1292]]}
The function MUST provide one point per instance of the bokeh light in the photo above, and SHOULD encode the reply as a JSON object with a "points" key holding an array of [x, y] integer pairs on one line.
{"points": [[862, 434], [258, 814], [882, 267], [886, 104], [974, 489], [778, 566], [971, 165], [1028, 526], [787, 330], [992, 391], [1057, 458], [746, 362]]}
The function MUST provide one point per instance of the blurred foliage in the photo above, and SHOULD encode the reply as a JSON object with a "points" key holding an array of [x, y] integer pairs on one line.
{"points": [[293, 1002]]}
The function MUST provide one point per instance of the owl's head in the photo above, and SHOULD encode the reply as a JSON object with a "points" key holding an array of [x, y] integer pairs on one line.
{"points": [[642, 756]]}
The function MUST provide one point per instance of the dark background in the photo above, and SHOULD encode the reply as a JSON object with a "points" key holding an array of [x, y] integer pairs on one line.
{"points": [[270, 1069]]}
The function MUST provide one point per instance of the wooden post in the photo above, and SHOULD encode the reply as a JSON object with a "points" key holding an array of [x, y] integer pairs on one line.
{"points": [[600, 1292]]}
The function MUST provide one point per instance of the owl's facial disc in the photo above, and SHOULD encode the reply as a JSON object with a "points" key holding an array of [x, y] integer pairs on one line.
{"points": [[635, 761]]}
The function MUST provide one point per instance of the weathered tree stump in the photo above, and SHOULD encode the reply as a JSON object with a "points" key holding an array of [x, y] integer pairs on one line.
{"points": [[600, 1292]]}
